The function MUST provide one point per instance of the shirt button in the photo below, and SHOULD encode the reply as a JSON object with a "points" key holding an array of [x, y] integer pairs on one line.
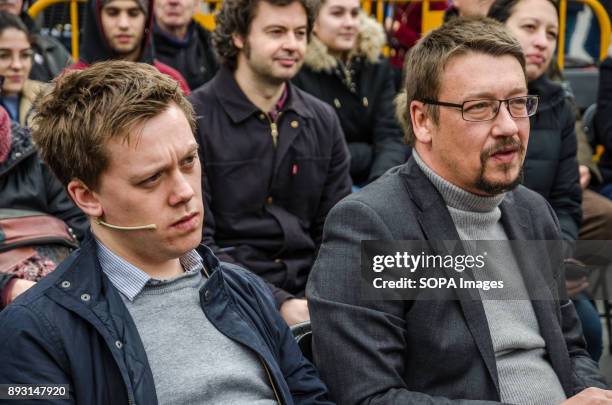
{"points": [[65, 284], [262, 116], [278, 260], [269, 200], [337, 103], [294, 124], [119, 344], [85, 297]]}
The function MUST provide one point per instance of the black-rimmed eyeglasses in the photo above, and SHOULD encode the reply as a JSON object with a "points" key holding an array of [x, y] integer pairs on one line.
{"points": [[487, 109]]}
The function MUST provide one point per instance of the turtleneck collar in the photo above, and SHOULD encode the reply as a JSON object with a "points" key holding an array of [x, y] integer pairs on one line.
{"points": [[456, 197]]}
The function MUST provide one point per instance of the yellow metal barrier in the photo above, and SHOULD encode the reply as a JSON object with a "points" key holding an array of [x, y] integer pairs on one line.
{"points": [[40, 5], [604, 28], [430, 19]]}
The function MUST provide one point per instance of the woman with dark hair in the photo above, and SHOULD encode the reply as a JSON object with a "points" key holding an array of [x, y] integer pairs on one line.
{"points": [[343, 67], [18, 92], [551, 168]]}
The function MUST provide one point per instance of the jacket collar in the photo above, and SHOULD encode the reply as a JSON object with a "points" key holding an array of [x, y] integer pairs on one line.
{"points": [[239, 107]]}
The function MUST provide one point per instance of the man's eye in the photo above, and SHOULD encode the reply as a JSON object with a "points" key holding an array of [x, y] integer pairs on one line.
{"points": [[477, 106], [190, 161], [134, 13], [150, 180]]}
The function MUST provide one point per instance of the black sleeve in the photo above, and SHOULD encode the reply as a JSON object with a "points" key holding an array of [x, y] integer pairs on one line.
{"points": [[60, 205], [389, 148], [603, 117], [566, 195]]}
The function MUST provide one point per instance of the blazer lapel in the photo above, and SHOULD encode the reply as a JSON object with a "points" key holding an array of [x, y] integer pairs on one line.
{"points": [[437, 225]]}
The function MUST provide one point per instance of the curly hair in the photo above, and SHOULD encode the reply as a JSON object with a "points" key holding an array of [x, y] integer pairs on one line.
{"points": [[236, 16]]}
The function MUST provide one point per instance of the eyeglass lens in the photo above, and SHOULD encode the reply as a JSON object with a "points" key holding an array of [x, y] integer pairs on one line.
{"points": [[484, 110]]}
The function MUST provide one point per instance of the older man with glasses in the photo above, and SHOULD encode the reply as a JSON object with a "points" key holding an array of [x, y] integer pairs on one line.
{"points": [[391, 330]]}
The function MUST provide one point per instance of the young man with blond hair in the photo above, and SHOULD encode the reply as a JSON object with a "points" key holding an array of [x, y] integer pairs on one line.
{"points": [[143, 313]]}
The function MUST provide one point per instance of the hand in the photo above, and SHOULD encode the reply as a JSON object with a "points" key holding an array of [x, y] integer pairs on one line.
{"points": [[590, 396], [19, 287], [573, 287], [585, 176], [295, 311]]}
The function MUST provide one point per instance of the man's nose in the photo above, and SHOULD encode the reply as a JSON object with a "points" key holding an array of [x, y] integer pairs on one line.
{"points": [[504, 124], [123, 20], [182, 191], [291, 42]]}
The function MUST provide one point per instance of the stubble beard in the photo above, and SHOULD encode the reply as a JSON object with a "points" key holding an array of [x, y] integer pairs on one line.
{"points": [[495, 188]]}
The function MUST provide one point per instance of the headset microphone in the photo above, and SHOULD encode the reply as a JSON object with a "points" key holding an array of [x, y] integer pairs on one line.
{"points": [[125, 228]]}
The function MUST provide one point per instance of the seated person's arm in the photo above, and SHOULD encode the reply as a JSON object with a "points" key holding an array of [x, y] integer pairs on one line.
{"points": [[388, 146], [28, 354], [338, 181], [565, 194], [603, 117]]}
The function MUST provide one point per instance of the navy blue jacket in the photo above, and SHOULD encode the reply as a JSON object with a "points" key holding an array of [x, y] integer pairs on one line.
{"points": [[73, 328]]}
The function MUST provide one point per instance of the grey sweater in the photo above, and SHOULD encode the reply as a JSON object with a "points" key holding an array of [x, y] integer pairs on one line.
{"points": [[525, 375]]}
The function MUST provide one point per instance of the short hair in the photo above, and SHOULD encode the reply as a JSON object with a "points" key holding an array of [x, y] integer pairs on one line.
{"points": [[236, 17], [426, 61], [501, 10], [85, 109], [8, 20]]}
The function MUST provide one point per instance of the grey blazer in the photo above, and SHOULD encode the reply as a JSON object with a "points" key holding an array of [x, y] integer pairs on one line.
{"points": [[427, 352]]}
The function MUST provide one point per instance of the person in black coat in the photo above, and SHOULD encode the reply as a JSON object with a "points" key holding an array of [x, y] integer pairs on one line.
{"points": [[182, 43], [28, 184], [344, 68]]}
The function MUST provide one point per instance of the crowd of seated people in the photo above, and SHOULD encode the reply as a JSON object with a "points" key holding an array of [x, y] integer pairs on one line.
{"points": [[303, 148]]}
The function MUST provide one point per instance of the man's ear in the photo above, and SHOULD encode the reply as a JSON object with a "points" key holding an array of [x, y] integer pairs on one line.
{"points": [[86, 199], [238, 41], [422, 124]]}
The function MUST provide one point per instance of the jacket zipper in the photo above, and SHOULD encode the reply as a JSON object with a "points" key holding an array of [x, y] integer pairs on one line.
{"points": [[271, 380]]}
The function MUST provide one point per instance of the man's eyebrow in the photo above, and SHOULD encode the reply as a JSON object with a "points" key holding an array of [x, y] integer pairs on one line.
{"points": [[489, 95], [160, 168]]}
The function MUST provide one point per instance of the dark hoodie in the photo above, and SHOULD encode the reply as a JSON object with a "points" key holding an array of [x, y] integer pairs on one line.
{"points": [[94, 47], [193, 56]]}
